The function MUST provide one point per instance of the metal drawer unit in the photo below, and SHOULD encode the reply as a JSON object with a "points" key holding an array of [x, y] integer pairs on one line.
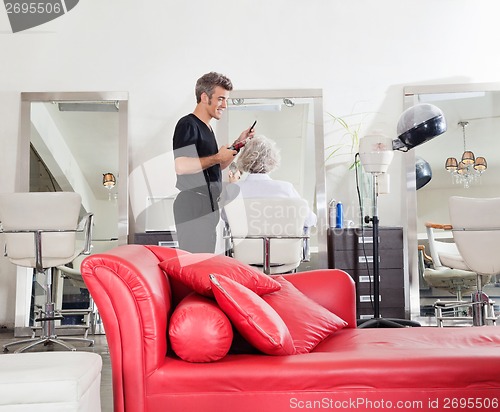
{"points": [[352, 250]]}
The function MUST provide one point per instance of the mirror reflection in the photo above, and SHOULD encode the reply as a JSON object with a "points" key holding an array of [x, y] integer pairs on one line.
{"points": [[76, 141], [472, 113], [293, 119]]}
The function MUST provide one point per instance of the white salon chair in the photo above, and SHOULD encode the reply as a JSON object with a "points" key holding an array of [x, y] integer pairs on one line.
{"points": [[449, 272], [40, 232], [476, 230], [268, 232]]}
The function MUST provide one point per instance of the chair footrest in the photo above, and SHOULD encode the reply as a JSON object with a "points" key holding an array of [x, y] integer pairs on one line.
{"points": [[49, 318]]}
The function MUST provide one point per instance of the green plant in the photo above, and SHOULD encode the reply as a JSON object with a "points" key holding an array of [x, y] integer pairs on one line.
{"points": [[349, 137]]}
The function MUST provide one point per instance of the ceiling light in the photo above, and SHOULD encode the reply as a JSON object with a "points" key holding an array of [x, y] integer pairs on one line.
{"points": [[470, 168], [108, 180]]}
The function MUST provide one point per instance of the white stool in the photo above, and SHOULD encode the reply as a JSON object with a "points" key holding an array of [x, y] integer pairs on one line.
{"points": [[50, 381]]}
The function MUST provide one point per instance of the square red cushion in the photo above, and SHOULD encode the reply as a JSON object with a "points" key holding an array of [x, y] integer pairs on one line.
{"points": [[194, 269], [257, 322], [199, 330], [308, 322]]}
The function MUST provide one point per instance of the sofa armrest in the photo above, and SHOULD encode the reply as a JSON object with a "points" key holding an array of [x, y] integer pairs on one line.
{"points": [[332, 288], [133, 297]]}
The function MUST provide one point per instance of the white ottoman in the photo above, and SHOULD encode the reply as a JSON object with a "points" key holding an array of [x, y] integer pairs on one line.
{"points": [[50, 381]]}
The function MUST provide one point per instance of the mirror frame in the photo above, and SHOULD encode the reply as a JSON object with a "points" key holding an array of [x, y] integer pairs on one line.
{"points": [[317, 99], [409, 199], [122, 97]]}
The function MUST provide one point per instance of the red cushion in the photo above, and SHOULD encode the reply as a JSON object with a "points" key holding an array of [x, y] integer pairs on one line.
{"points": [[193, 270], [257, 322], [308, 322], [199, 331]]}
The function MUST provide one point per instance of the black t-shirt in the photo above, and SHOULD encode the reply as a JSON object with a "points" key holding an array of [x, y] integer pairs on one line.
{"points": [[193, 138]]}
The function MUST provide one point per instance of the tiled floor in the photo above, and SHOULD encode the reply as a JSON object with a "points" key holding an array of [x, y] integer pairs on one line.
{"points": [[100, 347]]}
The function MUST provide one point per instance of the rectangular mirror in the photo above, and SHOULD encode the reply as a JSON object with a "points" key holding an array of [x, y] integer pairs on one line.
{"points": [[69, 142], [478, 106], [294, 120]]}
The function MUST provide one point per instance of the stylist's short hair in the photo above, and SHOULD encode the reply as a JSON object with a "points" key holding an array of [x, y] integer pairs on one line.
{"points": [[208, 82], [260, 155]]}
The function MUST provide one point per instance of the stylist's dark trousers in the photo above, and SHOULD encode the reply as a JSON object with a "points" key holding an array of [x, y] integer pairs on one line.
{"points": [[196, 222]]}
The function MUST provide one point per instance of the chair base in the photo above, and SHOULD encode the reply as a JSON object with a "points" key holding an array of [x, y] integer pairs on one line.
{"points": [[45, 341], [465, 311], [47, 317]]}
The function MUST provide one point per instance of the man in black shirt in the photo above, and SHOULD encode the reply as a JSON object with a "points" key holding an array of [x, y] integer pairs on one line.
{"points": [[198, 165]]}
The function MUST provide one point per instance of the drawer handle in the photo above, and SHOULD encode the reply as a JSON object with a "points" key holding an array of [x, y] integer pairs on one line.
{"points": [[366, 279], [368, 298], [366, 259], [366, 240]]}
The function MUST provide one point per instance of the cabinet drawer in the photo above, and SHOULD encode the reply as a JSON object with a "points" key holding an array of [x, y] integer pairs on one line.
{"points": [[389, 312], [353, 260], [388, 298], [164, 238], [389, 278], [357, 239]]}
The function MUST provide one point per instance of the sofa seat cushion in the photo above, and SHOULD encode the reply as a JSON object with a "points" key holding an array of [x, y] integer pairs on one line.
{"points": [[410, 359], [194, 269]]}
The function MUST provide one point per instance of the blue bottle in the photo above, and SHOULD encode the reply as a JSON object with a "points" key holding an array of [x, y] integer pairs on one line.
{"points": [[339, 221]]}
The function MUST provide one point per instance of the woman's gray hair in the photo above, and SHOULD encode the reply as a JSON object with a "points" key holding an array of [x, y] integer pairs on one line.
{"points": [[260, 155]]}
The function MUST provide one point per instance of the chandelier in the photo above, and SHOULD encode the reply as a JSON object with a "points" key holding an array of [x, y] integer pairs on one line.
{"points": [[470, 168]]}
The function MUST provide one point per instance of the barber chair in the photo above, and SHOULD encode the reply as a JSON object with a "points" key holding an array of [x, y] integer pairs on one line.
{"points": [[268, 233], [40, 232], [448, 271], [476, 230]]}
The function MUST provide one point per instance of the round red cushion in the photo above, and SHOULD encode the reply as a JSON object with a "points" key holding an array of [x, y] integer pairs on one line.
{"points": [[199, 331]]}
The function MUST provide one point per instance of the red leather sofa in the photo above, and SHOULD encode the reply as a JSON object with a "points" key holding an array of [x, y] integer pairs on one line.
{"points": [[411, 369]]}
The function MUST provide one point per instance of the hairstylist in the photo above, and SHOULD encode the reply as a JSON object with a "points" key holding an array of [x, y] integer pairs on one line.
{"points": [[198, 165]]}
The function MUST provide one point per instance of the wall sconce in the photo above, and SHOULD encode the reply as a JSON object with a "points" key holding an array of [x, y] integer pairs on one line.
{"points": [[108, 180]]}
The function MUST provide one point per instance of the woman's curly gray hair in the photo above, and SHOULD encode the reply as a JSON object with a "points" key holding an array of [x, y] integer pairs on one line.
{"points": [[260, 155]]}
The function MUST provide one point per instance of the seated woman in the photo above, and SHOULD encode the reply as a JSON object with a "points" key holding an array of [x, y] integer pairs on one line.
{"points": [[256, 160]]}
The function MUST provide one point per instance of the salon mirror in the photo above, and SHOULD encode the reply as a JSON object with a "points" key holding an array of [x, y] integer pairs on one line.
{"points": [[294, 119], [479, 106], [75, 141]]}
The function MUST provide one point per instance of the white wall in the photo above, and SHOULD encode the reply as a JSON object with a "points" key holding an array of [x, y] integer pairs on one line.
{"points": [[361, 53]]}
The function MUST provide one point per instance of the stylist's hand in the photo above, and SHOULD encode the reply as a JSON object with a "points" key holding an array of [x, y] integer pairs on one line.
{"points": [[226, 155], [245, 134]]}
